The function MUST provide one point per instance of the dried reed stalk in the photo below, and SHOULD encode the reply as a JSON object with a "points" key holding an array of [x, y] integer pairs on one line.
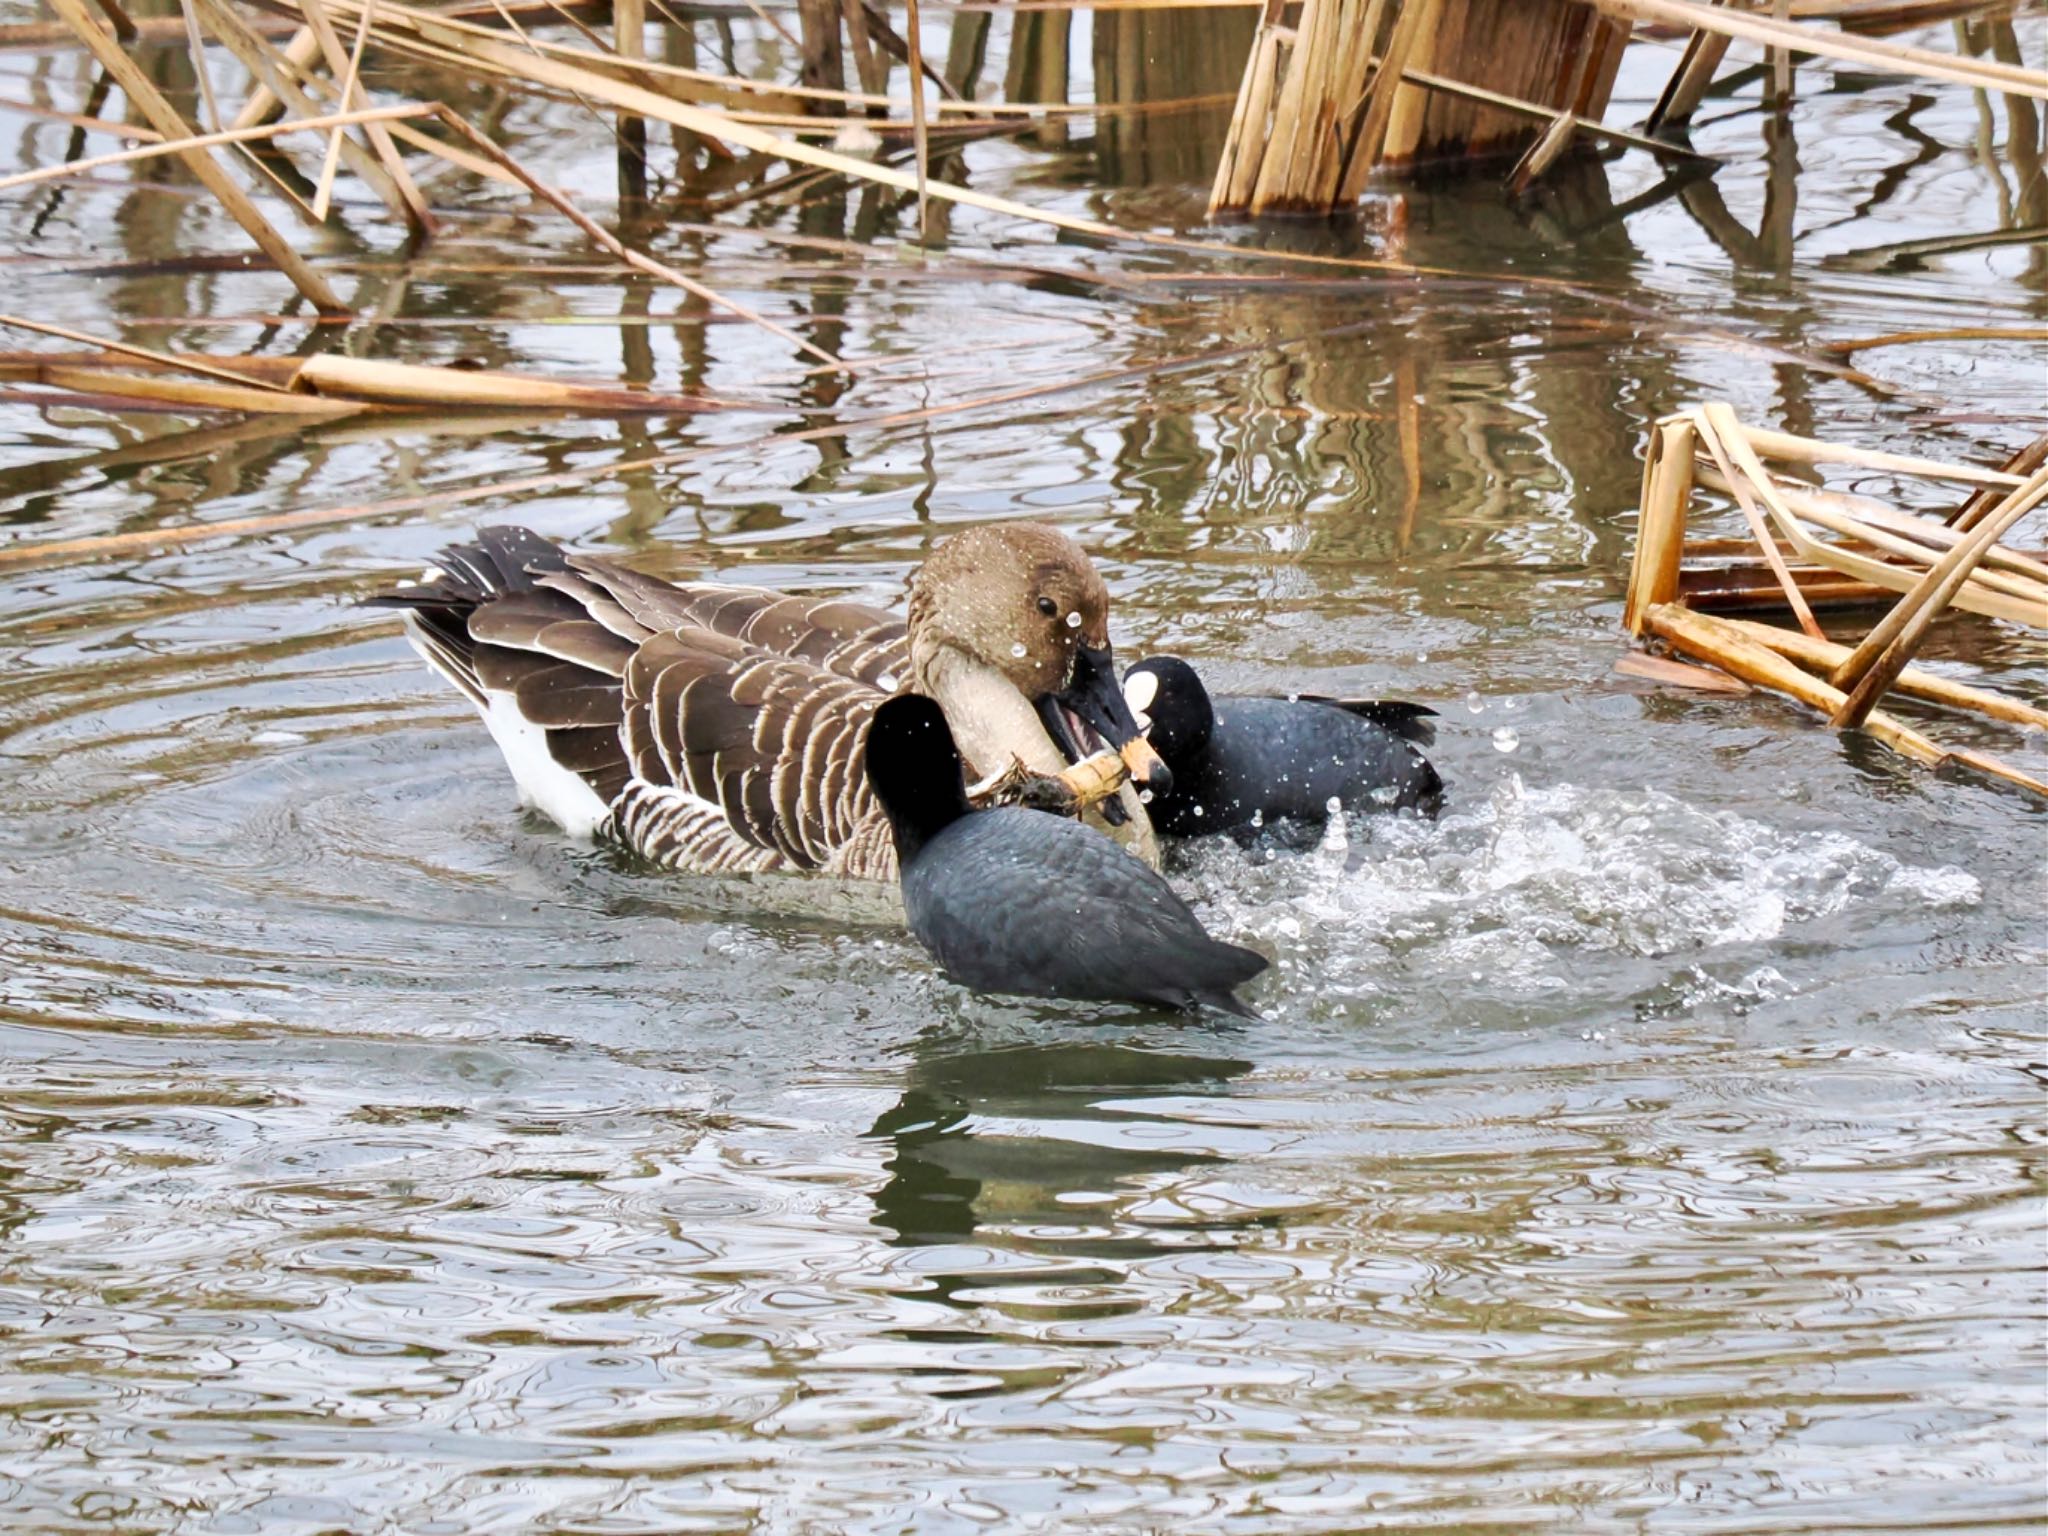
{"points": [[1892, 58], [323, 385], [417, 217], [263, 103], [1730, 648], [168, 121], [1764, 655], [1712, 423], [1977, 596], [1912, 539], [207, 141], [1873, 666], [281, 82], [160, 359], [1660, 525], [1823, 656], [2025, 462]]}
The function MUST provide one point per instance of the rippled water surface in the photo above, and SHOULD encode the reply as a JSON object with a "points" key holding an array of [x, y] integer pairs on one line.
{"points": [[1653, 1142]]}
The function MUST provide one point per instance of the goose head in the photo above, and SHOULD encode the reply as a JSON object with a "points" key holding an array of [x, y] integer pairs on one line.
{"points": [[1019, 608]]}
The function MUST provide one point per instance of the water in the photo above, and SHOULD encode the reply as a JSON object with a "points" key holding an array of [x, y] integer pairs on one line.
{"points": [[1651, 1143]]}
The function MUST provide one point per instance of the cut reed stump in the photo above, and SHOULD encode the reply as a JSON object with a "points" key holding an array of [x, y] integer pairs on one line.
{"points": [[1356, 85], [1882, 551]]}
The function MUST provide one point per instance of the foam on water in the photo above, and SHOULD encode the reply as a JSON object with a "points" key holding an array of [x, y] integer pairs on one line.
{"points": [[1526, 886]]}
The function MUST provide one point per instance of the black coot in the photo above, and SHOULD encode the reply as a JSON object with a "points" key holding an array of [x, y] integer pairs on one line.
{"points": [[1241, 762], [1015, 900]]}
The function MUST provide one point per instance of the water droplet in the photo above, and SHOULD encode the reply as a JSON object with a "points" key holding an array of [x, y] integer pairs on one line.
{"points": [[1017, 649], [1199, 811], [1422, 656], [1334, 806], [1475, 703], [1258, 818], [1145, 798], [886, 682], [1293, 697], [1506, 739], [1386, 794], [1074, 619]]}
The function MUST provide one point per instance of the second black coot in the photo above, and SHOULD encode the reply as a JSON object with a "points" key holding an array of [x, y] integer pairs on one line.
{"points": [[1022, 901], [1243, 762]]}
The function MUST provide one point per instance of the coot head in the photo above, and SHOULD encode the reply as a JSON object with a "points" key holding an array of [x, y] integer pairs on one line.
{"points": [[915, 771], [1165, 692]]}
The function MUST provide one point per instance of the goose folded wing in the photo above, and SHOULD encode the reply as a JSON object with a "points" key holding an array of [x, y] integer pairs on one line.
{"points": [[855, 640], [773, 741]]}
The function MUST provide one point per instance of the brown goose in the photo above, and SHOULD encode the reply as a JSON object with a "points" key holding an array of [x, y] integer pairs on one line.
{"points": [[720, 729]]}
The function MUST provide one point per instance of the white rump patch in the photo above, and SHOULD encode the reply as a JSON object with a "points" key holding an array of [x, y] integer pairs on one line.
{"points": [[543, 783]]}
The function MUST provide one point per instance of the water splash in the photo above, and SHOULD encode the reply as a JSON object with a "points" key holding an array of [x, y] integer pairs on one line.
{"points": [[1523, 887]]}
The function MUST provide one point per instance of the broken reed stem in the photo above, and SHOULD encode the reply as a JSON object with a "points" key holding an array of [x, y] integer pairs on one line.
{"points": [[1823, 656], [604, 237], [1737, 653], [460, 125], [920, 145], [161, 359], [2025, 462], [417, 218], [323, 193], [1894, 58], [1899, 533], [1712, 423], [189, 13], [1660, 520], [287, 82], [208, 140], [168, 121], [1873, 666], [263, 105], [1793, 449]]}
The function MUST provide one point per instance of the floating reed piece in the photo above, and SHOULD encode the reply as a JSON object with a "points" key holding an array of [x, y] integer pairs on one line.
{"points": [[1881, 551], [119, 373]]}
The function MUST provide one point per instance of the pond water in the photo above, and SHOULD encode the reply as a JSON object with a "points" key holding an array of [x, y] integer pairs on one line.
{"points": [[1652, 1143]]}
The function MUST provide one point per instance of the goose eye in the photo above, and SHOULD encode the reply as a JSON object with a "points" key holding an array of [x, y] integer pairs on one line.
{"points": [[1048, 607]]}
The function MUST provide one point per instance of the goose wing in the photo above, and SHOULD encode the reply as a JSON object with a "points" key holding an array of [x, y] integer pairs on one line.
{"points": [[666, 709], [774, 743], [856, 640]]}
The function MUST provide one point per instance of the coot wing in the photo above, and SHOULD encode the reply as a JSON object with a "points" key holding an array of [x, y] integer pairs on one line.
{"points": [[1016, 901], [1411, 722]]}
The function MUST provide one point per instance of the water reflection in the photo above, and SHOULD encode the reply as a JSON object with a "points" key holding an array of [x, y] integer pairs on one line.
{"points": [[1036, 1138]]}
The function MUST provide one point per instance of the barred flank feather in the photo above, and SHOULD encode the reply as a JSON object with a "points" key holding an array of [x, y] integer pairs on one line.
{"points": [[718, 729]]}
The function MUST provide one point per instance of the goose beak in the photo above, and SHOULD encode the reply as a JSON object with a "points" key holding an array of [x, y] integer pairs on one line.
{"points": [[1094, 700]]}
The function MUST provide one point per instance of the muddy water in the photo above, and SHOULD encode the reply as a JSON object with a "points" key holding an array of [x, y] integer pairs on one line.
{"points": [[1652, 1143]]}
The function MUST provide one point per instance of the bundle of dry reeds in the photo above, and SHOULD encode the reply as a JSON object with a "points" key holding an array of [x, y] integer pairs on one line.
{"points": [[1935, 565], [1335, 90]]}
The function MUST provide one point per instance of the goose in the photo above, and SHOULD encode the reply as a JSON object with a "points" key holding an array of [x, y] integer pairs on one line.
{"points": [[1012, 900], [718, 729], [1241, 762]]}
